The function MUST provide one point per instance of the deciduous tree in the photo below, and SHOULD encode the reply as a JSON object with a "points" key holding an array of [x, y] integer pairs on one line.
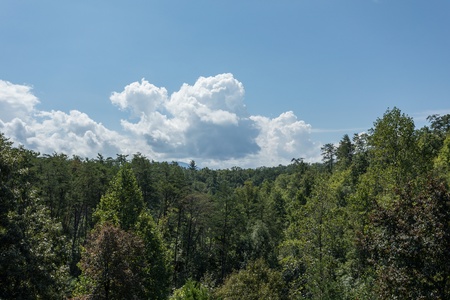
{"points": [[410, 243], [113, 265]]}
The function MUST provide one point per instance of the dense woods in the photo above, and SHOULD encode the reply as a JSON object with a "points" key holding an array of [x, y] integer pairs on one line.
{"points": [[371, 221]]}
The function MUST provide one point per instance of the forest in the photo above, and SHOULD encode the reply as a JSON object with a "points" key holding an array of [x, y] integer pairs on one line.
{"points": [[370, 221]]}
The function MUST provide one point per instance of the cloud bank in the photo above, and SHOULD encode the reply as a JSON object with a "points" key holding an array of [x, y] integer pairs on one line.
{"points": [[207, 122]]}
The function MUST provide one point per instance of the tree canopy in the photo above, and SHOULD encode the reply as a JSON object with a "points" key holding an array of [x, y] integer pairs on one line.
{"points": [[369, 221]]}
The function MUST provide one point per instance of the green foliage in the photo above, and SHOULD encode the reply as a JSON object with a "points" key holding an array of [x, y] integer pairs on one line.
{"points": [[344, 152], [255, 282], [156, 259], [440, 124], [55, 184], [33, 260], [123, 206], [410, 242], [193, 251], [171, 188], [366, 223], [191, 290], [146, 177], [88, 183], [32, 248], [360, 158], [227, 227], [123, 202], [328, 155], [428, 147], [442, 161], [113, 265], [394, 148], [315, 245]]}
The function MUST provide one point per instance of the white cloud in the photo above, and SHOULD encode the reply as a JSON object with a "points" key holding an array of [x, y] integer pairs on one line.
{"points": [[221, 96], [73, 133], [140, 98], [55, 131], [204, 120], [284, 138], [207, 121], [16, 101]]}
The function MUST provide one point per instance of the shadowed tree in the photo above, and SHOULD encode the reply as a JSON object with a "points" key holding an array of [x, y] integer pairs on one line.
{"points": [[409, 245], [32, 248], [146, 176], [123, 206], [112, 265]]}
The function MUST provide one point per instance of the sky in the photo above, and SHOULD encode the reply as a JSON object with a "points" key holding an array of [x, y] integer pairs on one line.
{"points": [[225, 83]]}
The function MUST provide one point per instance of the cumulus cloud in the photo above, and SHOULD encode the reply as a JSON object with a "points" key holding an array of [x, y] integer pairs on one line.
{"points": [[55, 131], [16, 101], [207, 121], [284, 137], [73, 133], [140, 98]]}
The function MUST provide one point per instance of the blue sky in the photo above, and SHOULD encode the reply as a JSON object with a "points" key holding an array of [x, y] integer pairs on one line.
{"points": [[225, 83]]}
